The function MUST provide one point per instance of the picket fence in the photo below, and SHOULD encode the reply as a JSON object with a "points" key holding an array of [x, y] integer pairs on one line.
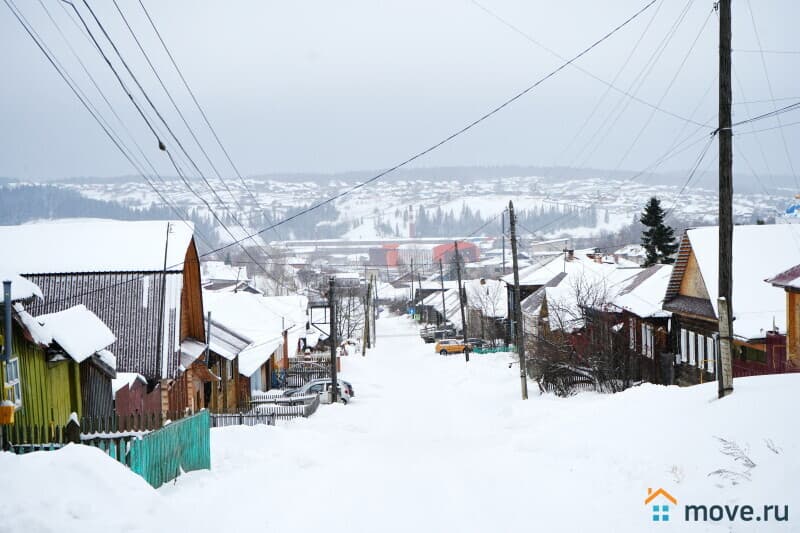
{"points": [[158, 455]]}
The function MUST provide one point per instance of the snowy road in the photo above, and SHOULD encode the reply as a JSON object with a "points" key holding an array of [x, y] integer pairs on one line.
{"points": [[421, 448], [431, 443]]}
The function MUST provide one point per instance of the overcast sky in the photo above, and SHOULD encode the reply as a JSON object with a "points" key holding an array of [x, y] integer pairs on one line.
{"points": [[362, 84]]}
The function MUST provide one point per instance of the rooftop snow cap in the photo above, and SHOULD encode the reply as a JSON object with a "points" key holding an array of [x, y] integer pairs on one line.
{"points": [[21, 288], [82, 245]]}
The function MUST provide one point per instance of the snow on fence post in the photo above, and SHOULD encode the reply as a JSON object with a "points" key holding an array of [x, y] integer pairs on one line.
{"points": [[72, 433]]}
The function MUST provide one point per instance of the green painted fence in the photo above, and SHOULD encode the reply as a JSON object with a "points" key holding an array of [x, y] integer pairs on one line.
{"points": [[181, 446], [496, 349]]}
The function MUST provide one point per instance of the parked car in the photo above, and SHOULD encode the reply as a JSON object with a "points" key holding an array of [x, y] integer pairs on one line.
{"points": [[478, 343], [319, 386], [448, 346]]}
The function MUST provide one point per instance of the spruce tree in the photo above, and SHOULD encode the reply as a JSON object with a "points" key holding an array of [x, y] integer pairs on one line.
{"points": [[658, 239]]}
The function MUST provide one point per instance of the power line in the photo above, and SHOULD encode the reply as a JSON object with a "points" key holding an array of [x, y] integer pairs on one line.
{"points": [[85, 102], [358, 186], [771, 93], [459, 132], [761, 51], [775, 113], [175, 105], [636, 84], [665, 92], [691, 174], [162, 146], [609, 85], [160, 117], [200, 108]]}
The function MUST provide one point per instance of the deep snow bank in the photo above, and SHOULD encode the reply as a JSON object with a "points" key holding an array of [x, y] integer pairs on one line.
{"points": [[431, 443]]}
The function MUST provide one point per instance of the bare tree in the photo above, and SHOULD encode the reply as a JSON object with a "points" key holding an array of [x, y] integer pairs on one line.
{"points": [[580, 342]]}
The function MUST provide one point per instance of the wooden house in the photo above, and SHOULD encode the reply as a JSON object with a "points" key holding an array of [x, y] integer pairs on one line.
{"points": [[759, 310], [789, 281], [250, 337], [231, 390], [639, 306], [141, 278], [50, 354]]}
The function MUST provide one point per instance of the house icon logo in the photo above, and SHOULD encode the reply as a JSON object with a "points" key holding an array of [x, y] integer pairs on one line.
{"points": [[659, 501]]}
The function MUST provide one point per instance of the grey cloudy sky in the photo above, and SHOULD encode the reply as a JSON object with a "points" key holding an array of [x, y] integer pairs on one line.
{"points": [[360, 84]]}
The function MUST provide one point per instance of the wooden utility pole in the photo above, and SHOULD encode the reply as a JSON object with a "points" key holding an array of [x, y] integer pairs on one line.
{"points": [[412, 287], [503, 229], [725, 302], [461, 301], [367, 340], [332, 338], [444, 302], [518, 334]]}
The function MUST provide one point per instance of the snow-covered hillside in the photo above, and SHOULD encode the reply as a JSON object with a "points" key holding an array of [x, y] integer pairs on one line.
{"points": [[381, 209], [433, 444]]}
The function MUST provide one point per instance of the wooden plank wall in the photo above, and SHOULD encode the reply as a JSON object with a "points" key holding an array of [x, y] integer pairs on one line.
{"points": [[192, 319], [50, 392], [95, 391]]}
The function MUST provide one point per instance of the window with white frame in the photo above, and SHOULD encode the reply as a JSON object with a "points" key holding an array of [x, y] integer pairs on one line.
{"points": [[692, 349], [13, 386], [711, 354], [648, 340], [701, 351], [684, 345], [632, 334]]}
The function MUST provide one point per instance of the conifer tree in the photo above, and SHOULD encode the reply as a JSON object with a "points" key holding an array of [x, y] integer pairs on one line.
{"points": [[658, 239]]}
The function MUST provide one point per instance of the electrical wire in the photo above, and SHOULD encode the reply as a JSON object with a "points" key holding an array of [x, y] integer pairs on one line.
{"points": [[459, 132], [200, 109]]}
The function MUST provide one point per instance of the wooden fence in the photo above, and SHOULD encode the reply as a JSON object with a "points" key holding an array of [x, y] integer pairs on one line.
{"points": [[161, 455], [298, 375], [219, 420], [158, 455]]}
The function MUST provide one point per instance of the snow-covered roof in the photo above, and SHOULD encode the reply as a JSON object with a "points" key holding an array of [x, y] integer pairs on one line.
{"points": [[644, 294], [79, 332], [451, 304], [61, 246], [219, 271], [258, 319], [539, 273], [759, 251], [575, 283], [255, 355], [125, 379], [788, 279], [21, 288]]}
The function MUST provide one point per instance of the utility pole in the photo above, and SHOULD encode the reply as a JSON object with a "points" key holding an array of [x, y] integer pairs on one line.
{"points": [[412, 284], [461, 301], [367, 340], [725, 303], [503, 226], [444, 302], [518, 335], [332, 338]]}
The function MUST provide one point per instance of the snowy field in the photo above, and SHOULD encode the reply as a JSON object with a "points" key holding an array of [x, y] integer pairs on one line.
{"points": [[433, 444]]}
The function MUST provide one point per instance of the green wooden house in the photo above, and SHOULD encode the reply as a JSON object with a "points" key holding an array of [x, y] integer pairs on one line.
{"points": [[43, 376]]}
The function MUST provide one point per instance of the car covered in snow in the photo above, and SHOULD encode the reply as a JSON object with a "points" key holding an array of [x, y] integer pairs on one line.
{"points": [[322, 386]]}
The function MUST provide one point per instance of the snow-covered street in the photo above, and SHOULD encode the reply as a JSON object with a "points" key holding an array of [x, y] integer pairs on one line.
{"points": [[433, 444]]}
